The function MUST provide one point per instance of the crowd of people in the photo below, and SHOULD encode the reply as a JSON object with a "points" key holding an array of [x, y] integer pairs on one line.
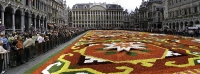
{"points": [[18, 48], [180, 32]]}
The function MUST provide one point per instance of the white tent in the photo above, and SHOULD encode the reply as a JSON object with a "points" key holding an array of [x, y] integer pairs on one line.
{"points": [[193, 27]]}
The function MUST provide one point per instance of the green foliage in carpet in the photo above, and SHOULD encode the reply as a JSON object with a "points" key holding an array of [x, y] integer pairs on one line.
{"points": [[73, 67], [131, 53], [99, 49], [56, 68], [195, 61], [110, 52], [145, 50]]}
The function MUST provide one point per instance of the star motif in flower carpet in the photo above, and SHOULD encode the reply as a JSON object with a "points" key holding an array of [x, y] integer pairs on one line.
{"points": [[125, 46]]}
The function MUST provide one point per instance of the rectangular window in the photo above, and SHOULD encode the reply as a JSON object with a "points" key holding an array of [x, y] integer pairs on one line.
{"points": [[195, 10], [185, 11], [189, 10]]}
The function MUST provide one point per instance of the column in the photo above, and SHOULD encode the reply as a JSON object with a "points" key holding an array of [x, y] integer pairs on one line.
{"points": [[13, 20], [39, 24], [42, 24], [183, 26], [90, 19], [2, 17], [22, 21], [198, 9], [38, 4], [30, 4], [35, 3], [87, 18], [179, 26], [35, 22], [95, 18], [29, 20], [23, 2]]}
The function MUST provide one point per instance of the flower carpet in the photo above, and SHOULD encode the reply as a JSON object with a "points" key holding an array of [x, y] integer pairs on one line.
{"points": [[126, 52]]}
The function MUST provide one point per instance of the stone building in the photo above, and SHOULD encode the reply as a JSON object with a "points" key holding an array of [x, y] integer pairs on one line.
{"points": [[182, 14], [97, 15], [149, 15], [155, 14], [70, 17], [126, 19], [26, 15], [135, 16], [142, 12], [131, 19]]}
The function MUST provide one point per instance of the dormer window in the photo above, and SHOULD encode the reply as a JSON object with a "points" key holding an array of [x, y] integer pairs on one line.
{"points": [[76, 7], [85, 6], [108, 6]]}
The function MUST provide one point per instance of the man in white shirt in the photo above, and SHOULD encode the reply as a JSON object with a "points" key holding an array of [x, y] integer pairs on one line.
{"points": [[27, 45], [40, 39]]}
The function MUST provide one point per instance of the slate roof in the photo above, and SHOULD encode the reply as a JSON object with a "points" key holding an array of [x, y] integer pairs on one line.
{"points": [[89, 5]]}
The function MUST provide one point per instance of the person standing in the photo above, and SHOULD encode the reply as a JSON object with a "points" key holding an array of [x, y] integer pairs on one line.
{"points": [[40, 40], [2, 53], [5, 42], [27, 47], [20, 50]]}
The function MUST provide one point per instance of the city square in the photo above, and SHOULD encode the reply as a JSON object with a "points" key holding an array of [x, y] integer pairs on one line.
{"points": [[109, 37]]}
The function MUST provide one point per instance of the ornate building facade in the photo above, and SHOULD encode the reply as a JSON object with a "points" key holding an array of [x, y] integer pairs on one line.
{"points": [[155, 14], [24, 15], [126, 19], [182, 14], [149, 15], [97, 15]]}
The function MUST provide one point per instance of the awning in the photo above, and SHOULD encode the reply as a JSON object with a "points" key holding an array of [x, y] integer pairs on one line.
{"points": [[50, 25], [193, 27]]}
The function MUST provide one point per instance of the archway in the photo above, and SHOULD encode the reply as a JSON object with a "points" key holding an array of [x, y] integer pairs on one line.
{"points": [[18, 19], [26, 21], [177, 26], [174, 26], [197, 22], [37, 21], [8, 18], [182, 26], [33, 20], [170, 25], [191, 23]]}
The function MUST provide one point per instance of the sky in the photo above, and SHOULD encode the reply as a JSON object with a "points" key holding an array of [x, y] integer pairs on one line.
{"points": [[126, 4]]}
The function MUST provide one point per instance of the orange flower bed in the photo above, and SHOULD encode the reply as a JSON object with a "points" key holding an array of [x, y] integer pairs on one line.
{"points": [[126, 52]]}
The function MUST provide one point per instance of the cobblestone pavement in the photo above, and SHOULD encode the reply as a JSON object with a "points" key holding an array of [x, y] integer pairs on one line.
{"points": [[24, 67]]}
